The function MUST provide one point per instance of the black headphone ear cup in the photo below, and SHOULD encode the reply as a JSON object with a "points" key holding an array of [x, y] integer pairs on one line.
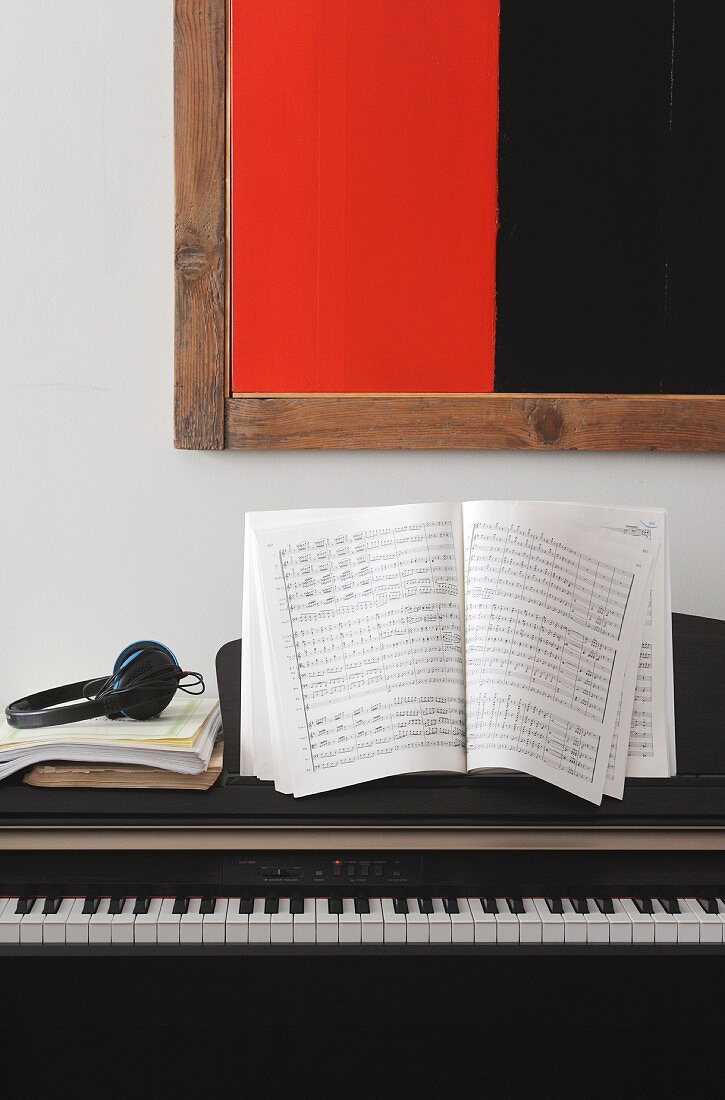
{"points": [[131, 649], [141, 660]]}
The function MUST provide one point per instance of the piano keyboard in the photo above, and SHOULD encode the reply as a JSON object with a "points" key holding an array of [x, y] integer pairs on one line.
{"points": [[53, 920]]}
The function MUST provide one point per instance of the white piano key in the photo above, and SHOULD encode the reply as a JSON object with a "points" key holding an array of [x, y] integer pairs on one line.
{"points": [[303, 926], [281, 924], [552, 924], [192, 923], [4, 902], [31, 926], [530, 928], [462, 923], [439, 923], [507, 923], [394, 926], [54, 924], [688, 926], [259, 923], [349, 923], [575, 924], [711, 924], [76, 925], [122, 924], [643, 925], [665, 924], [214, 926], [101, 923], [237, 924], [484, 924], [597, 924], [372, 929], [146, 923], [416, 924], [167, 928], [10, 922], [325, 922], [620, 924]]}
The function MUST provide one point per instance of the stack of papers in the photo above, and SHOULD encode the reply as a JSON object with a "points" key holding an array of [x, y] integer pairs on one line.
{"points": [[179, 740]]}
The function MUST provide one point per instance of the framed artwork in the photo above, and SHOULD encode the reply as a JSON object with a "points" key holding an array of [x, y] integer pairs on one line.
{"points": [[448, 224]]}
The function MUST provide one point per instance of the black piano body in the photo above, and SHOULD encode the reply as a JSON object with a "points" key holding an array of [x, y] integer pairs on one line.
{"points": [[415, 839]]}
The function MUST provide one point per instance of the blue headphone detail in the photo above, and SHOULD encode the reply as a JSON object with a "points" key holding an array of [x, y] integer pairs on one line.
{"points": [[146, 676]]}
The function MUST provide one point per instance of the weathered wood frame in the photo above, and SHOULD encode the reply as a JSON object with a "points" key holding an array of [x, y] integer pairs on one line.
{"points": [[208, 416]]}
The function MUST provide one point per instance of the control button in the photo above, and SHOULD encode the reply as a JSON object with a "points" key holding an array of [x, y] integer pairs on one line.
{"points": [[364, 870], [337, 868], [350, 870], [378, 870]]}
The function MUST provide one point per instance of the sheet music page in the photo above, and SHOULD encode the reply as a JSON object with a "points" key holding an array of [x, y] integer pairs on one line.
{"points": [[642, 749], [551, 619], [364, 643], [649, 736], [256, 747]]}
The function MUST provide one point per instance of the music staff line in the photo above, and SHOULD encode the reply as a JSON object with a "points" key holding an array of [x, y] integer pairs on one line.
{"points": [[510, 562]]}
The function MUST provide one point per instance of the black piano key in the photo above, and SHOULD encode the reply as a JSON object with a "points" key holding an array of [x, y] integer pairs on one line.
{"points": [[644, 905], [296, 906], [207, 905], [670, 905], [141, 906], [605, 905], [490, 905], [516, 905], [334, 905], [400, 905], [425, 905], [115, 906], [246, 905], [271, 905], [709, 905], [24, 905], [580, 905], [451, 905], [181, 906], [90, 905], [51, 905], [554, 905], [362, 905]]}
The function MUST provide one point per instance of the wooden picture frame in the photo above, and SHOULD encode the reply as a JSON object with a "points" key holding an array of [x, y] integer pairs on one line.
{"points": [[208, 416]]}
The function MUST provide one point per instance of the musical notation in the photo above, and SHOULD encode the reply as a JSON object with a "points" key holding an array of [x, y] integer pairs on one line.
{"points": [[370, 568], [512, 646], [504, 723], [381, 650], [506, 561], [374, 614], [354, 735]]}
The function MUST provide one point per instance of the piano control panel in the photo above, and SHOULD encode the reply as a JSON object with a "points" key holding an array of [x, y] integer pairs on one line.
{"points": [[340, 870]]}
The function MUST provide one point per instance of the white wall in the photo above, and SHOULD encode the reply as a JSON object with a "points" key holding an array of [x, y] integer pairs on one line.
{"points": [[108, 534]]}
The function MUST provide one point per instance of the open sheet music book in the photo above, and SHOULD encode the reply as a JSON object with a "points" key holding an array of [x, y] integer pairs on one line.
{"points": [[488, 635]]}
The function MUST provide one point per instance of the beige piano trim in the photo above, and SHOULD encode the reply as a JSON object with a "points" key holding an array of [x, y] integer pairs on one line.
{"points": [[352, 838]]}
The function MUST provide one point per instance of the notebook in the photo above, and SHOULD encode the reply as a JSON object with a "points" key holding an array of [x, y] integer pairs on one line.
{"points": [[467, 637], [180, 739], [125, 775]]}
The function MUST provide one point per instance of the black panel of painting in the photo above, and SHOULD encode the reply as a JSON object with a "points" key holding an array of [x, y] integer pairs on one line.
{"points": [[610, 197]]}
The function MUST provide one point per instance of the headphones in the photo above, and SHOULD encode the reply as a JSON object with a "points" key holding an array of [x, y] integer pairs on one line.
{"points": [[145, 678]]}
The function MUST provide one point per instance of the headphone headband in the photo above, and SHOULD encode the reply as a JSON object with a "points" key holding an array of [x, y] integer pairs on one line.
{"points": [[145, 679]]}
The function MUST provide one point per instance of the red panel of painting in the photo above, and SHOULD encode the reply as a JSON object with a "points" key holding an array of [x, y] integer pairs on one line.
{"points": [[363, 206]]}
